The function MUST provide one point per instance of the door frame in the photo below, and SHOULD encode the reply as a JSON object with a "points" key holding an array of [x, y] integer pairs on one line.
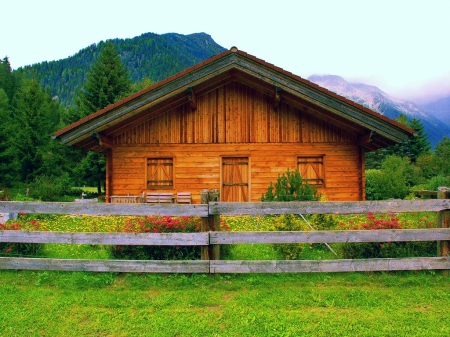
{"points": [[233, 155]]}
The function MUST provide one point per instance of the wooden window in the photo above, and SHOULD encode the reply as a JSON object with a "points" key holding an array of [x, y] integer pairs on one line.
{"points": [[311, 169], [159, 172]]}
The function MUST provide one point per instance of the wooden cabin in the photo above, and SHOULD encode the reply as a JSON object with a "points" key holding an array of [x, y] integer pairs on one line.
{"points": [[232, 123]]}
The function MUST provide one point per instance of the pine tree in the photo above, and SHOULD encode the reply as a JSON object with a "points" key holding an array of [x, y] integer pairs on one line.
{"points": [[442, 155], [6, 150], [419, 144], [8, 81], [106, 82], [413, 148], [35, 117]]}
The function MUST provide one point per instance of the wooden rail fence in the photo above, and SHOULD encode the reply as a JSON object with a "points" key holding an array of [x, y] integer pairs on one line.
{"points": [[211, 238]]}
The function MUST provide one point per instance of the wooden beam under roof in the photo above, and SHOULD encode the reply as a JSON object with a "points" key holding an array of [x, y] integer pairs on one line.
{"points": [[192, 99], [276, 98], [103, 140], [366, 139]]}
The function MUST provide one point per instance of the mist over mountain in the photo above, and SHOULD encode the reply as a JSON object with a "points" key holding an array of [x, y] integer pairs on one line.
{"points": [[374, 98], [440, 109]]}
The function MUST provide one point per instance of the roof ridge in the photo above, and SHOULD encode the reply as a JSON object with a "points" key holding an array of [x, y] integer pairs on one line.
{"points": [[214, 58]]}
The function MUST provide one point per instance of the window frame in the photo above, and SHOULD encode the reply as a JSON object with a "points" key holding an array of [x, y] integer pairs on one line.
{"points": [[318, 159], [163, 183]]}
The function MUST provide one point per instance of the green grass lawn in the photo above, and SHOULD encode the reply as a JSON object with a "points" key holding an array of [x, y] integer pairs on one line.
{"points": [[47, 303], [88, 304]]}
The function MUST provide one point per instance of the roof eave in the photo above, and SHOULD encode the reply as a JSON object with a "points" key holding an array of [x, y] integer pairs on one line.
{"points": [[177, 85]]}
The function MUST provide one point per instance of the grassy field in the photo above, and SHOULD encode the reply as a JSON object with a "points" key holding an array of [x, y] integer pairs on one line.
{"points": [[45, 303], [88, 304]]}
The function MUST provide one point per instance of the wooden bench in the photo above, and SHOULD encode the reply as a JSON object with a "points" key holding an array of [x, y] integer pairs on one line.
{"points": [[184, 198], [125, 199], [159, 198]]}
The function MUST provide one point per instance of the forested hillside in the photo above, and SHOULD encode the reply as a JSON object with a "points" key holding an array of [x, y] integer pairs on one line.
{"points": [[149, 56]]}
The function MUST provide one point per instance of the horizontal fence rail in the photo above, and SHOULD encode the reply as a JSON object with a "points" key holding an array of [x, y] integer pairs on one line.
{"points": [[310, 266], [211, 238], [328, 207], [103, 209], [130, 239], [105, 265], [223, 238], [340, 236]]}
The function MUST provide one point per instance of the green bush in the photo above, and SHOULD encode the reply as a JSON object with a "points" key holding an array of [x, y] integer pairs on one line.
{"points": [[49, 188], [159, 224], [290, 187], [386, 249], [19, 249], [438, 181], [393, 181], [323, 222], [288, 222], [164, 224]]}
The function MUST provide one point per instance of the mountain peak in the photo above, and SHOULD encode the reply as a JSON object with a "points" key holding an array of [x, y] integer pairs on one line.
{"points": [[374, 98]]}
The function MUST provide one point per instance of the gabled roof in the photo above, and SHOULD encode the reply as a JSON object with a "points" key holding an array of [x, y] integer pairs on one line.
{"points": [[372, 129]]}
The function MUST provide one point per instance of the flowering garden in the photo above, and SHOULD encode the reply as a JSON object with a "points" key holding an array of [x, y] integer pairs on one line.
{"points": [[168, 224]]}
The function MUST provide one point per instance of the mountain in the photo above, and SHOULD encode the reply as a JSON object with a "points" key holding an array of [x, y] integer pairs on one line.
{"points": [[440, 109], [148, 56], [374, 98]]}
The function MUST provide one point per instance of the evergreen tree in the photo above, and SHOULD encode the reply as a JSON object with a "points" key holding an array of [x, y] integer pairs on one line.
{"points": [[442, 155], [418, 145], [413, 148], [106, 82], [6, 150], [8, 81], [35, 117]]}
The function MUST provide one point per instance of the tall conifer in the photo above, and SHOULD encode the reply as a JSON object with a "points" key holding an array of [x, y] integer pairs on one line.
{"points": [[106, 82]]}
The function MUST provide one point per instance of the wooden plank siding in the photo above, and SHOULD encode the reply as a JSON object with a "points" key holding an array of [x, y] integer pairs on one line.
{"points": [[230, 121], [198, 167]]}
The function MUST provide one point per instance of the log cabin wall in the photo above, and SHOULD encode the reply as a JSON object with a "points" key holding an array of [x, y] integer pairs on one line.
{"points": [[235, 120]]}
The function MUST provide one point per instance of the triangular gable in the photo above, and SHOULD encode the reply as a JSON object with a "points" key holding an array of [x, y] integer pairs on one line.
{"points": [[214, 122], [371, 129]]}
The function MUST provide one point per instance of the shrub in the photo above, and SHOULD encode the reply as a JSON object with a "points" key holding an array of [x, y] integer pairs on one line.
{"points": [[20, 249], [385, 249], [322, 222], [393, 180], [49, 188], [438, 181], [159, 224], [289, 187], [288, 222], [4, 194], [162, 224]]}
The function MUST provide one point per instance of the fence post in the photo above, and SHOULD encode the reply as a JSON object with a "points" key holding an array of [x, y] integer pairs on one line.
{"points": [[214, 225], [211, 223], [205, 225], [443, 222]]}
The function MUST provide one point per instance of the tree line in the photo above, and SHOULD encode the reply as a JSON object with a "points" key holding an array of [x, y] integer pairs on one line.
{"points": [[147, 56], [30, 115]]}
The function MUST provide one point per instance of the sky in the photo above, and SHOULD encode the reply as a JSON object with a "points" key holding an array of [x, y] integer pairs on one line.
{"points": [[401, 46]]}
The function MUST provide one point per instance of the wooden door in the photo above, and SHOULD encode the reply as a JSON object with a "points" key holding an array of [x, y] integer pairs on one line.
{"points": [[235, 182]]}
